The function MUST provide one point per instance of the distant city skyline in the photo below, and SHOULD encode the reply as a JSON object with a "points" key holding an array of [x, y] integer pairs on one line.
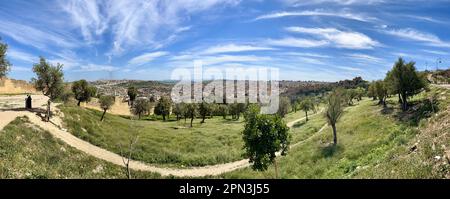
{"points": [[322, 40]]}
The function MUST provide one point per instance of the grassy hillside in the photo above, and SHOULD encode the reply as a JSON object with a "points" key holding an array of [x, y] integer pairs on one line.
{"points": [[370, 141], [27, 151], [170, 143]]}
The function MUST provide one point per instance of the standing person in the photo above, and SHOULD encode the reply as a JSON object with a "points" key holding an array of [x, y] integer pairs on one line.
{"points": [[29, 102]]}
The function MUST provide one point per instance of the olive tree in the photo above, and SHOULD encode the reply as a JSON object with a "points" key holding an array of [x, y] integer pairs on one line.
{"points": [[285, 106], [132, 93], [163, 107], [334, 110], [140, 106], [191, 111], [306, 105], [264, 136], [405, 81], [82, 91], [5, 65], [105, 103], [49, 80]]}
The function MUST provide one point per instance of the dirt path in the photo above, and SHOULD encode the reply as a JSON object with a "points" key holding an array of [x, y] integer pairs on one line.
{"points": [[68, 138]]}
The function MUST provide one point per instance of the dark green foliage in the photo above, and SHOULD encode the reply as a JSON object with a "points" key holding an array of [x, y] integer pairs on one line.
{"points": [[163, 107], [82, 91], [5, 65], [204, 109], [264, 136], [105, 103], [404, 80], [306, 105], [285, 106], [132, 93], [140, 107], [49, 81]]}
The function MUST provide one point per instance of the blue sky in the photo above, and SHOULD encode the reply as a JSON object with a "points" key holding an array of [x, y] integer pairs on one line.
{"points": [[325, 40]]}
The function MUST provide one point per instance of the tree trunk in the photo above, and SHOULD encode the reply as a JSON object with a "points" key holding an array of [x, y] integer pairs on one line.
{"points": [[203, 118], [139, 116], [164, 117], [400, 99], [333, 126], [306, 115], [192, 120], [48, 111], [276, 168], [103, 115], [79, 103], [404, 102]]}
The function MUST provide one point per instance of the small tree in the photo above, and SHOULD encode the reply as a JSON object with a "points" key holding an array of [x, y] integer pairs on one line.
{"points": [[191, 111], [163, 107], [204, 109], [223, 110], [371, 91], [360, 92], [405, 81], [381, 92], [82, 91], [105, 103], [285, 106], [178, 110], [49, 81], [306, 105], [334, 111], [350, 94], [5, 65], [140, 107], [132, 94], [127, 155], [264, 136]]}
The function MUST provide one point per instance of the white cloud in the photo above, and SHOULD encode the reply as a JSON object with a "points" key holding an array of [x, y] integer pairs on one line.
{"points": [[415, 35], [365, 57], [22, 56], [349, 68], [297, 3], [21, 69], [307, 54], [230, 48], [96, 68], [296, 42], [37, 38], [436, 52], [341, 14], [137, 22], [341, 39], [147, 57]]}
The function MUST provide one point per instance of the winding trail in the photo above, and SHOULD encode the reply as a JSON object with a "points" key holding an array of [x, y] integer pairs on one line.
{"points": [[55, 130]]}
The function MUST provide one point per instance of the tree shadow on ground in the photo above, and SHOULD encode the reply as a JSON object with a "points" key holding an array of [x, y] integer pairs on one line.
{"points": [[330, 150], [299, 124], [417, 111]]}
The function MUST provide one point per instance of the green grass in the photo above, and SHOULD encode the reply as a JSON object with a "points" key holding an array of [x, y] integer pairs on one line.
{"points": [[365, 137], [27, 151], [168, 143]]}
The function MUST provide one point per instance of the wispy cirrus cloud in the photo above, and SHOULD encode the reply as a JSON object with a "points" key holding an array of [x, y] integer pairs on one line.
{"points": [[416, 35], [296, 42], [297, 3], [96, 68], [339, 38], [146, 58], [232, 48], [22, 56], [38, 38], [319, 12], [137, 22]]}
